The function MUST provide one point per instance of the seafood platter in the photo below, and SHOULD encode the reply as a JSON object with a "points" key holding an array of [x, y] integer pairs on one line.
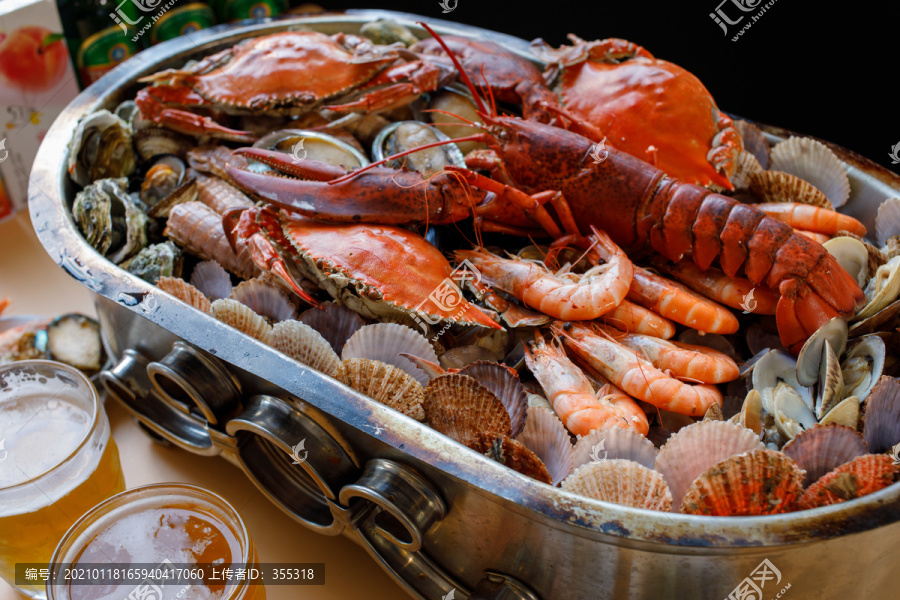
{"points": [[431, 289]]}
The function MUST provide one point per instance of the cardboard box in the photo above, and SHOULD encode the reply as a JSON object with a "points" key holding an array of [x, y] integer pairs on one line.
{"points": [[37, 81]]}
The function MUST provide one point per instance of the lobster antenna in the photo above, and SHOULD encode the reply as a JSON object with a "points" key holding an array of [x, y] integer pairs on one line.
{"points": [[449, 114], [462, 72], [477, 137]]}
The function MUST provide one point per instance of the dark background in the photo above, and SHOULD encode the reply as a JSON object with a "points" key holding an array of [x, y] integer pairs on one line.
{"points": [[825, 69]]}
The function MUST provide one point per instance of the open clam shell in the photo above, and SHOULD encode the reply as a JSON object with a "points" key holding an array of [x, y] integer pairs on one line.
{"points": [[808, 361], [461, 408], [304, 344], [791, 413], [881, 426], [385, 342], [336, 323], [845, 413], [831, 382], [406, 135], [863, 365], [185, 292], [212, 279], [814, 162], [303, 144], [853, 255], [387, 384], [242, 318], [266, 299], [887, 220], [883, 289], [774, 367], [751, 414], [504, 383], [760, 482], [695, 448], [860, 477], [621, 482], [512, 453], [547, 437], [614, 443], [822, 449]]}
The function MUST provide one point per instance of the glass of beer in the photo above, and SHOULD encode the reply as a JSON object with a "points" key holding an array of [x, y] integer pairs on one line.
{"points": [[57, 460], [166, 541]]}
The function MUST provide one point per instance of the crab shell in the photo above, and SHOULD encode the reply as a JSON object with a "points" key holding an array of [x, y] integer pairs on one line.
{"points": [[380, 270], [286, 73], [649, 108]]}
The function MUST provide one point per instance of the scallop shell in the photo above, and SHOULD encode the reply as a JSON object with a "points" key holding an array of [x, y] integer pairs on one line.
{"points": [[862, 476], [611, 444], [696, 448], [755, 141], [242, 318], [745, 167], [462, 356], [887, 221], [385, 342], [621, 482], [386, 384], [881, 426], [336, 323], [814, 162], [760, 482], [824, 448], [265, 299], [776, 186], [545, 434], [304, 344], [513, 454], [185, 292], [504, 383], [212, 279], [461, 408]]}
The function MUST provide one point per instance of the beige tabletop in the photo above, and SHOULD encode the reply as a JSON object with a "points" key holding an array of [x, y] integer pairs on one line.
{"points": [[36, 286]]}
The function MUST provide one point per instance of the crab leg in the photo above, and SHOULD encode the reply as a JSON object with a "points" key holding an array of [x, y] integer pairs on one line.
{"points": [[406, 82], [152, 101]]}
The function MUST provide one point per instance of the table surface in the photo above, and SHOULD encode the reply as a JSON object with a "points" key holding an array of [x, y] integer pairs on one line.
{"points": [[36, 286]]}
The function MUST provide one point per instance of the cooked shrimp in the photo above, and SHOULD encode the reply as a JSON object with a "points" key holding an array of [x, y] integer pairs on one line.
{"points": [[634, 318], [576, 404], [812, 218], [4, 304], [636, 376], [813, 235], [738, 293], [675, 301], [562, 295], [685, 361]]}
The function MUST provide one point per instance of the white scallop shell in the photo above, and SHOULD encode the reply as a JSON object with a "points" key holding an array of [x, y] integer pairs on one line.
{"points": [[614, 443], [385, 342], [212, 279], [304, 344], [546, 436], [335, 322], [265, 299], [816, 163], [887, 221]]}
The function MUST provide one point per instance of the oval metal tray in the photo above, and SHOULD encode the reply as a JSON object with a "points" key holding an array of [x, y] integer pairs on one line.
{"points": [[436, 515]]}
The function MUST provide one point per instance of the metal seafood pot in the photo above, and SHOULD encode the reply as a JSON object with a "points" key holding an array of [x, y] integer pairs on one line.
{"points": [[434, 514]]}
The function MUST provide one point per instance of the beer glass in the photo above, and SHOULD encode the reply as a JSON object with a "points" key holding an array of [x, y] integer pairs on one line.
{"points": [[57, 460], [143, 544]]}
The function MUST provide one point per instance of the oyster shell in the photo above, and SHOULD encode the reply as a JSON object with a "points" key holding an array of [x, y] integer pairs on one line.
{"points": [[814, 162], [407, 135], [512, 453], [387, 384], [386, 32], [153, 262], [110, 220], [101, 148], [75, 340], [621, 482]]}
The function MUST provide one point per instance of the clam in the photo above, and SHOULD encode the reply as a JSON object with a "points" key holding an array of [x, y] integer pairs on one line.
{"points": [[863, 364], [406, 135], [887, 221], [845, 413], [831, 382], [110, 220], [775, 367], [834, 333], [814, 162], [751, 414], [852, 255], [101, 148], [791, 414], [455, 102], [156, 141], [155, 261], [882, 289], [304, 144], [164, 177]]}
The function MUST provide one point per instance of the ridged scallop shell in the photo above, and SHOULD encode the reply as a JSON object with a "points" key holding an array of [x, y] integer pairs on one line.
{"points": [[760, 482], [621, 482], [210, 278], [745, 167], [242, 318], [304, 344], [695, 448], [385, 342], [538, 400], [336, 323], [462, 356], [824, 448], [185, 292], [814, 162], [265, 299], [881, 425], [776, 186], [547, 437], [860, 477], [513, 454], [461, 408], [504, 383], [387, 384], [611, 444], [755, 141]]}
